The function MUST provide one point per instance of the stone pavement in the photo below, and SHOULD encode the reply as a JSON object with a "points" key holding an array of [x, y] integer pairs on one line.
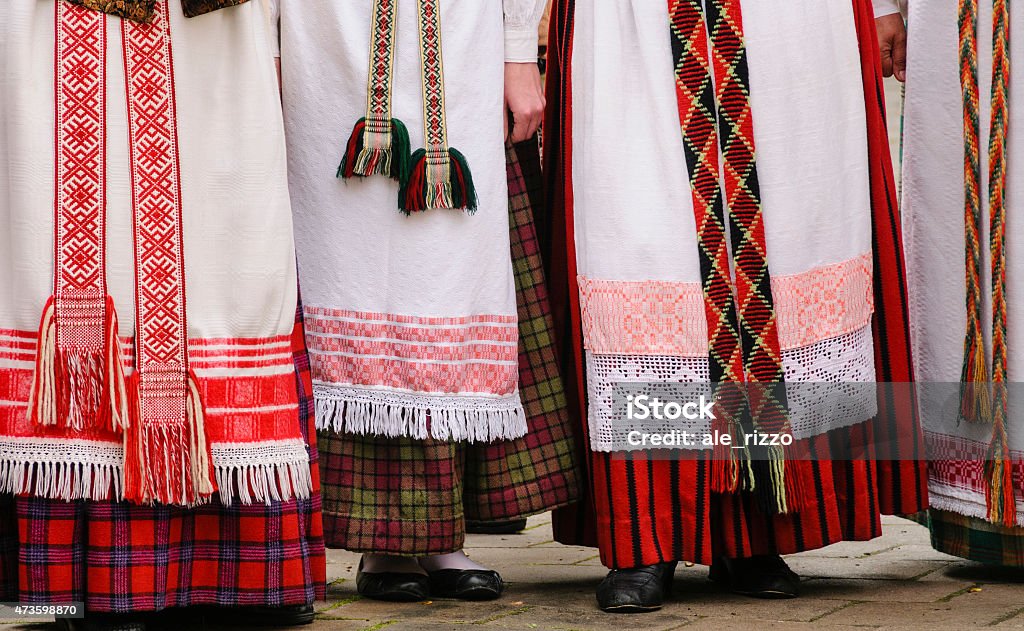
{"points": [[894, 582]]}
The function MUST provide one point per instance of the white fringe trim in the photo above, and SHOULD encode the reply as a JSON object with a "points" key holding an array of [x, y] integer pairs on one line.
{"points": [[262, 472], [966, 502], [267, 472], [452, 417]]}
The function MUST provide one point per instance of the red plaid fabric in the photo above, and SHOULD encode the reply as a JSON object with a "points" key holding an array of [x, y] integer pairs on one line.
{"points": [[117, 557], [8, 550], [411, 497]]}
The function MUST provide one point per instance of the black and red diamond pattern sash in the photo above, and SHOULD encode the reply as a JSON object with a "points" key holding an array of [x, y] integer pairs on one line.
{"points": [[79, 382], [436, 176], [744, 351]]}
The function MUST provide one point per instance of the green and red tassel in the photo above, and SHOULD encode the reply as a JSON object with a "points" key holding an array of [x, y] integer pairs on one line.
{"points": [[441, 182], [377, 148]]}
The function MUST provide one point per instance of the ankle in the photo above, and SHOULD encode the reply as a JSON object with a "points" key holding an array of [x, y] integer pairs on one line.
{"points": [[381, 563], [453, 561]]}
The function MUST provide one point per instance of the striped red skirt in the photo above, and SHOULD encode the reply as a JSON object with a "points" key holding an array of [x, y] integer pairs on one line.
{"points": [[118, 557]]}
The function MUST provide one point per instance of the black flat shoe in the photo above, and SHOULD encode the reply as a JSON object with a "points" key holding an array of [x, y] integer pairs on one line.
{"points": [[103, 622], [765, 576], [398, 587], [466, 584], [474, 527], [257, 617], [636, 590]]}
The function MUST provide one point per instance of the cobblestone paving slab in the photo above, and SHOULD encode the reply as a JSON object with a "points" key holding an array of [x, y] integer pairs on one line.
{"points": [[894, 582]]}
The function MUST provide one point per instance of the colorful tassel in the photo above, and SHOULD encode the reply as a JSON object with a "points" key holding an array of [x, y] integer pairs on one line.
{"points": [[442, 180], [725, 463], [975, 399], [1000, 495], [377, 147], [78, 388], [168, 462]]}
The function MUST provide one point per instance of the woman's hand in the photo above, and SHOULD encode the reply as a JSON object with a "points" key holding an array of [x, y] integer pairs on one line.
{"points": [[892, 43], [524, 98]]}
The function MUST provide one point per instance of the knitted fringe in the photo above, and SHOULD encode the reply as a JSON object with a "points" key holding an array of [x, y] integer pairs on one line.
{"points": [[71, 481], [420, 193], [394, 420], [265, 483], [772, 477], [75, 389], [67, 481], [168, 463], [371, 152]]}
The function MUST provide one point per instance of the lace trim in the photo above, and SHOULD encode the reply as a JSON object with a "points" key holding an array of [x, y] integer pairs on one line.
{"points": [[451, 417], [830, 385], [79, 469]]}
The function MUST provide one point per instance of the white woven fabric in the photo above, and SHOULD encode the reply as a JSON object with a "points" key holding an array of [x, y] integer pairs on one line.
{"points": [[933, 219], [419, 307]]}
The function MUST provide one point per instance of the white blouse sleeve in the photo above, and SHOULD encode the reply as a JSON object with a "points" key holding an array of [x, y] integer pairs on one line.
{"points": [[273, 9], [886, 7], [522, 17]]}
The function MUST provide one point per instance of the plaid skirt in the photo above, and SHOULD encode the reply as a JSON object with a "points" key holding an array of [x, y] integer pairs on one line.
{"points": [[405, 496], [976, 539], [118, 557]]}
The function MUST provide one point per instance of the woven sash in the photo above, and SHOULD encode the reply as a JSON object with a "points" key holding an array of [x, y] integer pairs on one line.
{"points": [[79, 382], [436, 176], [983, 395], [744, 351]]}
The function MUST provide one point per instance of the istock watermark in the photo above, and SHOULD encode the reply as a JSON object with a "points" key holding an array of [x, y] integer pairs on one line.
{"points": [[646, 407]]}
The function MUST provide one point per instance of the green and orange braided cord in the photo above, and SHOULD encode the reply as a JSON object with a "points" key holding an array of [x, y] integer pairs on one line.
{"points": [[976, 404]]}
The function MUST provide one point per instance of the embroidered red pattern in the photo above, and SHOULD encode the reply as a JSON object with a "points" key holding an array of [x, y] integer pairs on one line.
{"points": [[79, 251], [472, 354], [156, 198]]}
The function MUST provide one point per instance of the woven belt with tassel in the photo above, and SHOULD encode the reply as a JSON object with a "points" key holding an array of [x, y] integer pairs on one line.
{"points": [[983, 394], [744, 350], [436, 176]]}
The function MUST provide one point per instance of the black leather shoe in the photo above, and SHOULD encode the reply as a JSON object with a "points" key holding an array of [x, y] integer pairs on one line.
{"points": [[765, 576], [466, 584], [103, 622], [392, 586], [636, 590], [474, 527], [256, 617]]}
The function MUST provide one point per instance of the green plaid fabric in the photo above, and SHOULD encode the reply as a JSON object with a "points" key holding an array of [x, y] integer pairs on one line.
{"points": [[392, 495], [976, 539], [537, 472], [411, 497]]}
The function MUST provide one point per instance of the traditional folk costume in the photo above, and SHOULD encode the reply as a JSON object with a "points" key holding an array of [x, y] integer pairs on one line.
{"points": [[706, 235], [437, 394], [153, 418], [960, 191]]}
